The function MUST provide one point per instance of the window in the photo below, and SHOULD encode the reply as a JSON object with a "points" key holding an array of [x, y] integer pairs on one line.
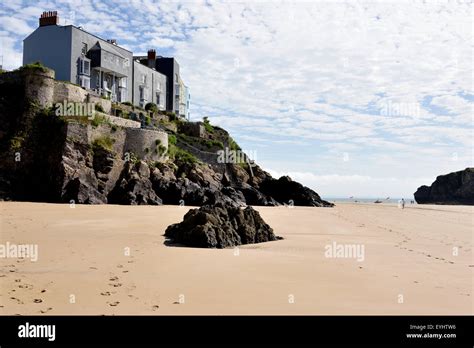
{"points": [[158, 86], [123, 82], [126, 62], [84, 66], [143, 94], [158, 99], [85, 82], [84, 49], [144, 79], [123, 95]]}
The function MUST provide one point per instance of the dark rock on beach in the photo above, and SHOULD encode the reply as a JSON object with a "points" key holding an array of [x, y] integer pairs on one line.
{"points": [[220, 226], [452, 188], [134, 187], [287, 191]]}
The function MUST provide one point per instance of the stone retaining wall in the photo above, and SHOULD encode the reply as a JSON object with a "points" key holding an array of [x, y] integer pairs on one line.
{"points": [[144, 144]]}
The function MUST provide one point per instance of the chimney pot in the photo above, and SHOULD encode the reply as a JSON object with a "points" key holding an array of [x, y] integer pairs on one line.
{"points": [[49, 18]]}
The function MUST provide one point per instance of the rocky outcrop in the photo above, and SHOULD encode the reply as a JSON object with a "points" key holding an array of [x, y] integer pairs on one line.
{"points": [[452, 188], [220, 226], [134, 186], [290, 192]]}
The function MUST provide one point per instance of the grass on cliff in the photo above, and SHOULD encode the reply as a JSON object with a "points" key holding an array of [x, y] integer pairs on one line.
{"points": [[33, 66], [104, 142], [100, 119], [207, 125], [179, 155]]}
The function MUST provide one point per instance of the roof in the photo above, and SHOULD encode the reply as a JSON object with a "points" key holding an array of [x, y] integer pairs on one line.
{"points": [[106, 47]]}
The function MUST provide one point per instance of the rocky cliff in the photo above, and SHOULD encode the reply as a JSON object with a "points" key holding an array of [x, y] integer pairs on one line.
{"points": [[452, 188], [95, 160]]}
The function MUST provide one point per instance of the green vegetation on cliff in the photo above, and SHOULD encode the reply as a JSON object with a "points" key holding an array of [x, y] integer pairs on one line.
{"points": [[104, 142]]}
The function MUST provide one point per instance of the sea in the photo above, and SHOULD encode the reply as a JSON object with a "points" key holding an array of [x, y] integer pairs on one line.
{"points": [[385, 200]]}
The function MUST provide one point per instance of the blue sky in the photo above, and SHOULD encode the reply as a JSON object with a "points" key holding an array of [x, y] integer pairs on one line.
{"points": [[352, 98]]}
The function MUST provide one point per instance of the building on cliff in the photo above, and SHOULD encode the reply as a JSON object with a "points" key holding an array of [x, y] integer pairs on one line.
{"points": [[177, 93], [103, 67]]}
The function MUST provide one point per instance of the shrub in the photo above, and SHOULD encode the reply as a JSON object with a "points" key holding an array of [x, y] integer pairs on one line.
{"points": [[33, 66], [147, 120], [181, 156], [171, 115], [127, 103], [151, 107], [207, 125], [161, 149], [233, 145], [98, 120], [104, 142], [211, 143], [171, 139], [16, 143]]}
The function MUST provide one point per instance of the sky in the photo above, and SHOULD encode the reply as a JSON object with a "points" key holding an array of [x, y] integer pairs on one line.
{"points": [[351, 98]]}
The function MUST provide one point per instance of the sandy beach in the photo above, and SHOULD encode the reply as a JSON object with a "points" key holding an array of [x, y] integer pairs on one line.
{"points": [[110, 259]]}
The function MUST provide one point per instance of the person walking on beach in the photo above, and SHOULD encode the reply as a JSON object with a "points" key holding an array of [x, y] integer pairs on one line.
{"points": [[401, 203]]}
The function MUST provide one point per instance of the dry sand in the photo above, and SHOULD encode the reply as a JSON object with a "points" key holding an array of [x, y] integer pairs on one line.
{"points": [[82, 257]]}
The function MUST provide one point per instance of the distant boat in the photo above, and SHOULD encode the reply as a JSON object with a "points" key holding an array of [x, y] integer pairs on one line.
{"points": [[387, 198], [378, 201]]}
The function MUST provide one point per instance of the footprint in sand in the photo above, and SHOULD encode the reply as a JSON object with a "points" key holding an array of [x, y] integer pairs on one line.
{"points": [[113, 279], [105, 293], [119, 266], [155, 307], [25, 286], [17, 300], [115, 285], [113, 304], [37, 300], [46, 310], [125, 271]]}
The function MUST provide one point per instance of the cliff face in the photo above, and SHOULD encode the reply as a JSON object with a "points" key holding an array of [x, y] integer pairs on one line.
{"points": [[107, 159], [453, 188]]}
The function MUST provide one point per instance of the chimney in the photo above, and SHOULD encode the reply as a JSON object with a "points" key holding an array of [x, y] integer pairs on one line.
{"points": [[49, 18], [112, 41], [151, 58]]}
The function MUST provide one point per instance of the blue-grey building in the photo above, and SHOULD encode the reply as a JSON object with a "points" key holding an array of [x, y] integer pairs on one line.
{"points": [[80, 57], [101, 65]]}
